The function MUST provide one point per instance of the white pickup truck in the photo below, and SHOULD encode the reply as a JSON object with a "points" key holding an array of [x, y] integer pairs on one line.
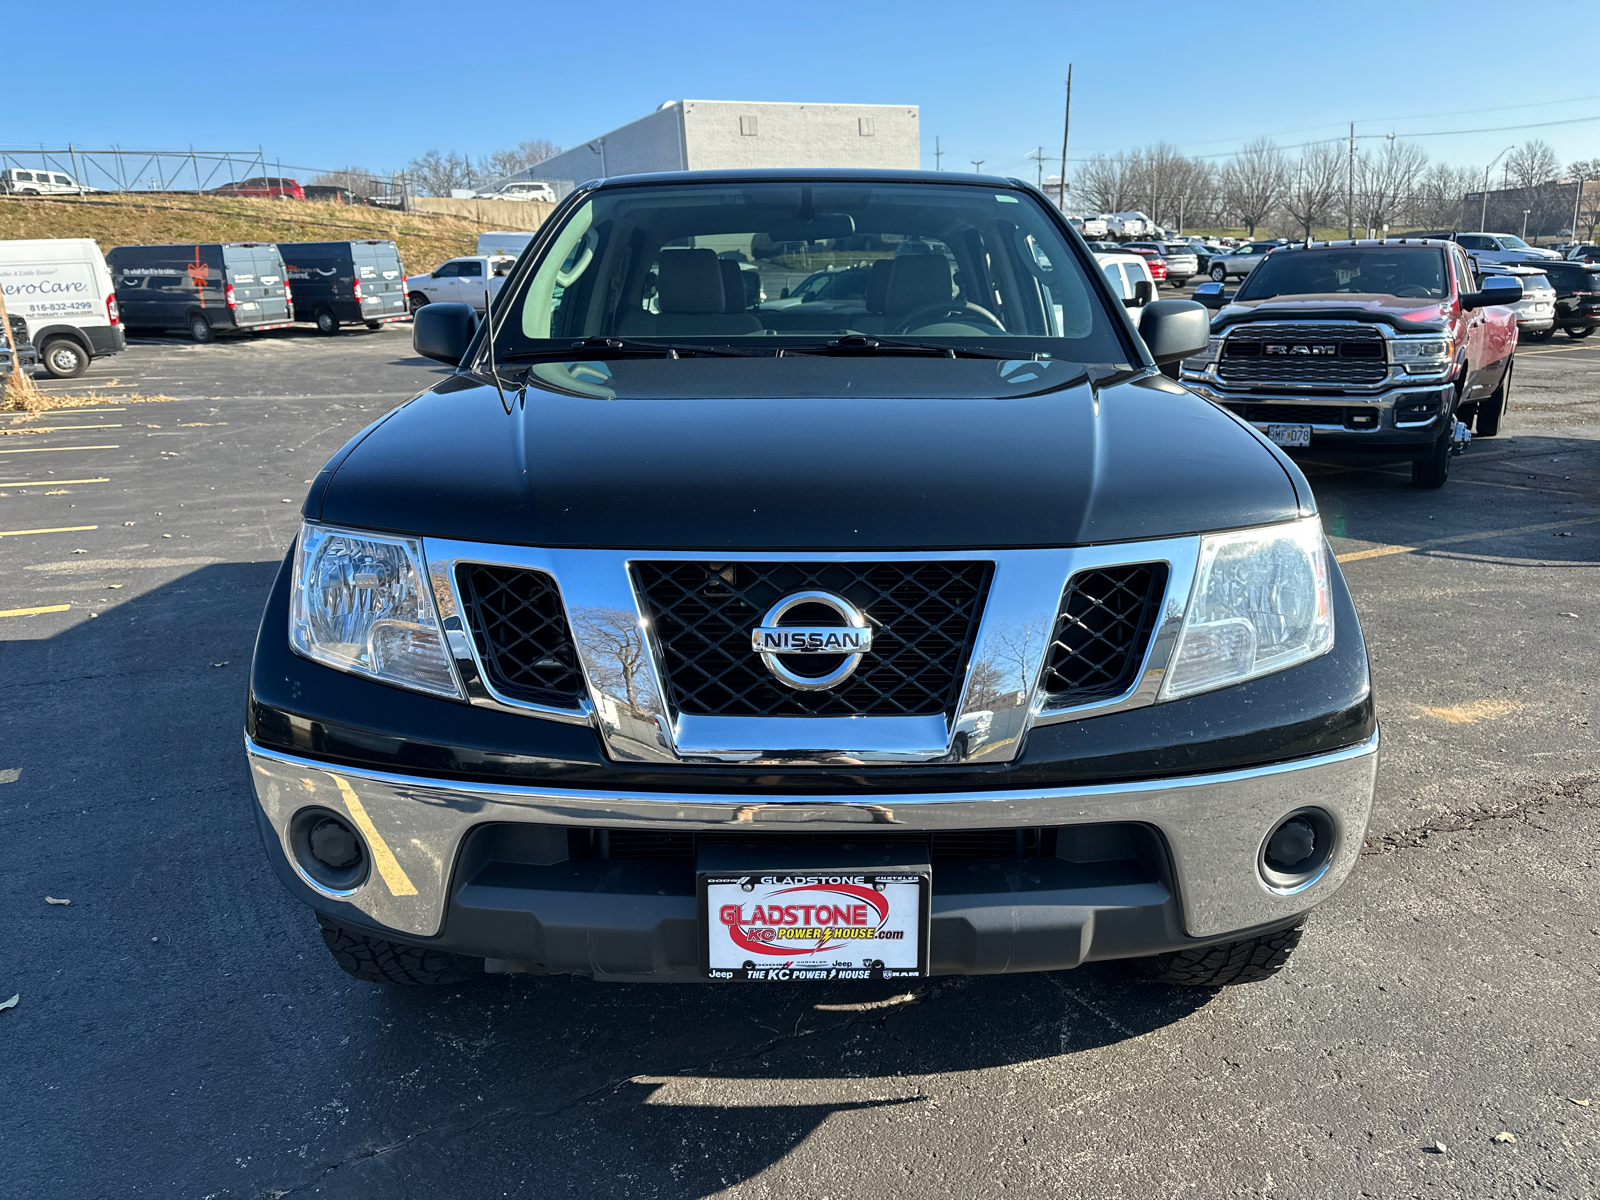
{"points": [[463, 280]]}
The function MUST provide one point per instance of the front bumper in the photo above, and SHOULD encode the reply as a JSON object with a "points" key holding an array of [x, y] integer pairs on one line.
{"points": [[1404, 418], [435, 882]]}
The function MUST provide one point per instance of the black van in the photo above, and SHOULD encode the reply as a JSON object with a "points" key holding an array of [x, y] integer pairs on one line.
{"points": [[205, 289], [346, 283]]}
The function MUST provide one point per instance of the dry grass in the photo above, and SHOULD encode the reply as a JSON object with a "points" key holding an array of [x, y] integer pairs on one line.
{"points": [[121, 220], [23, 395]]}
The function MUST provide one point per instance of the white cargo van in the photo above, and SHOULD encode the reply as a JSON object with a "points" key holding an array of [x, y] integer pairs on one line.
{"points": [[62, 288], [502, 241]]}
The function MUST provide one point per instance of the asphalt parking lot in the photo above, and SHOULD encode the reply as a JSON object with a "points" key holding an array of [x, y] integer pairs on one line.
{"points": [[181, 1031]]}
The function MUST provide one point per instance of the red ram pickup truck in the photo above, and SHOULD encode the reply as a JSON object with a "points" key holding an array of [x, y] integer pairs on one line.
{"points": [[1375, 349]]}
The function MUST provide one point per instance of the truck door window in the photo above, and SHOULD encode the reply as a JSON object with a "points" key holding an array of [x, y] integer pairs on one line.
{"points": [[470, 269]]}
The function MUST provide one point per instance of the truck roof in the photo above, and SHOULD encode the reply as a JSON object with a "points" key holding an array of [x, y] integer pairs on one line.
{"points": [[806, 175]]}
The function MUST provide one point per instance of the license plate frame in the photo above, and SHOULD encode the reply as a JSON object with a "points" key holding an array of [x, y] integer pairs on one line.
{"points": [[1289, 437], [821, 892]]}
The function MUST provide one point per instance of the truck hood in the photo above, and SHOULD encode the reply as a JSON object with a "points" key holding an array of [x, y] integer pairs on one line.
{"points": [[1417, 316], [874, 453]]}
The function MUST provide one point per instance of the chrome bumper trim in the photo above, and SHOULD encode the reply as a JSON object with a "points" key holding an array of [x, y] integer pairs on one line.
{"points": [[1214, 825]]}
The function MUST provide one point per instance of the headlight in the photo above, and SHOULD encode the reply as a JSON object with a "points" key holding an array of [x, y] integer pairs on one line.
{"points": [[1421, 356], [1261, 603], [361, 604], [1203, 360]]}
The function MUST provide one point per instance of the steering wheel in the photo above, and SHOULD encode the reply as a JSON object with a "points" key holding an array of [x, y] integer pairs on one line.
{"points": [[945, 308]]}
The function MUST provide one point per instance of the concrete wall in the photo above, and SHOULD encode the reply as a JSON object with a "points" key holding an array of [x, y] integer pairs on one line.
{"points": [[526, 215], [721, 134], [708, 135], [652, 143]]}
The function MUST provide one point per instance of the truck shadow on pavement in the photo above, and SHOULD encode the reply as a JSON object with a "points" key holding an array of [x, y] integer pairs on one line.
{"points": [[183, 988]]}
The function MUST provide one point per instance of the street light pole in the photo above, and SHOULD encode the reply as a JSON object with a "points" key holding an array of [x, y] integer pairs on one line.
{"points": [[1525, 213], [977, 164], [1483, 215]]}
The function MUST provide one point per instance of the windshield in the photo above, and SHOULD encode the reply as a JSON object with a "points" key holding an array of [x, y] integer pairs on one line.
{"points": [[1411, 272], [692, 264], [1510, 241]]}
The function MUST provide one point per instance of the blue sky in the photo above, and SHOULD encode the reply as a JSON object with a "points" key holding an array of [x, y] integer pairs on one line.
{"points": [[328, 85]]}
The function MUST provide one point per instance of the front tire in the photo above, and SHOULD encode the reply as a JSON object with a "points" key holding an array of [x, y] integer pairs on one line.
{"points": [[1433, 470], [374, 960], [1247, 961], [64, 358], [1494, 406], [200, 330]]}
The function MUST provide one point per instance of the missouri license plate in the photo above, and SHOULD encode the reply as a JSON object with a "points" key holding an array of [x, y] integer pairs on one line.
{"points": [[784, 926], [1289, 436]]}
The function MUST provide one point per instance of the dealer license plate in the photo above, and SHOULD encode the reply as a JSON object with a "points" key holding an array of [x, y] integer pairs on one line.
{"points": [[782, 926], [1289, 435]]}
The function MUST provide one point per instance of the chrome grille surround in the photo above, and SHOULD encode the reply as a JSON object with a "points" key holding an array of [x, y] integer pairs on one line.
{"points": [[630, 709]]}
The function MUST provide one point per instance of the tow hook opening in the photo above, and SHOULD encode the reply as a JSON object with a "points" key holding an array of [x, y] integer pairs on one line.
{"points": [[328, 850], [1297, 851]]}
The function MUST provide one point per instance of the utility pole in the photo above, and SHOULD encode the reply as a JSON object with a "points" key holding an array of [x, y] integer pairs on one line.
{"points": [[1577, 201], [1066, 128], [1350, 187], [938, 155], [1038, 158]]}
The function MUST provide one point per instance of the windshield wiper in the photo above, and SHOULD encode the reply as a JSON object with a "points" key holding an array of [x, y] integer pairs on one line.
{"points": [[861, 344], [611, 347]]}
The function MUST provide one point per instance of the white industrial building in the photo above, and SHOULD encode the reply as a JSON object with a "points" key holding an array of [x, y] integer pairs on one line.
{"points": [[707, 135]]}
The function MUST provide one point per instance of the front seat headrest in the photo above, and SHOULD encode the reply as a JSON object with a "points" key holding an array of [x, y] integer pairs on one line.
{"points": [[917, 281], [689, 281]]}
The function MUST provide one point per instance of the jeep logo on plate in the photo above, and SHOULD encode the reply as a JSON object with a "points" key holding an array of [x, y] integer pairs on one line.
{"points": [[850, 638], [1313, 351]]}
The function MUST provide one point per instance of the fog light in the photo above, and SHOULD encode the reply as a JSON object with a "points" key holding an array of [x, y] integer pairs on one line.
{"points": [[329, 854], [1297, 851], [333, 844]]}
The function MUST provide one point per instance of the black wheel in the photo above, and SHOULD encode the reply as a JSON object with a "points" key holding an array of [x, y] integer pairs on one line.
{"points": [[416, 300], [1432, 470], [1249, 961], [64, 358], [377, 961], [200, 329], [1494, 405], [327, 323], [374, 324], [1579, 331], [1539, 335], [1219, 273]]}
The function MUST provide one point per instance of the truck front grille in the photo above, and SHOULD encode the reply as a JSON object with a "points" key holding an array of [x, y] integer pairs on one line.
{"points": [[1102, 632], [924, 617], [520, 628], [1306, 354]]}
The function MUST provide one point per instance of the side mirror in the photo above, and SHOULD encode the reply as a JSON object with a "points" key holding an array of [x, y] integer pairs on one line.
{"points": [[1212, 295], [444, 331], [1143, 292], [1174, 329], [783, 295], [1496, 289]]}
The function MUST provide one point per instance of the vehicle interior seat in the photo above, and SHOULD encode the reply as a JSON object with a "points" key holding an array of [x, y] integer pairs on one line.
{"points": [[917, 281], [875, 300], [691, 300], [734, 293]]}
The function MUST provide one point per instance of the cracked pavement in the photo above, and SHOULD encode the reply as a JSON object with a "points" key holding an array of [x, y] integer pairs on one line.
{"points": [[181, 1031]]}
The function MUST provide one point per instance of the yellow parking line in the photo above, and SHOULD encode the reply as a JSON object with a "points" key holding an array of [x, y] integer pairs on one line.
{"points": [[398, 883], [33, 612], [1456, 539], [56, 412], [50, 482], [62, 529], [57, 449], [54, 428]]}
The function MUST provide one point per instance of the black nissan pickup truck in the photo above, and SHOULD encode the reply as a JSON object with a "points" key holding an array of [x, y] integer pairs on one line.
{"points": [[678, 637]]}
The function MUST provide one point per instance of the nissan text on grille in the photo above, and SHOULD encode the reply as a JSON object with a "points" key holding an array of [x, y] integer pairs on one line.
{"points": [[690, 630]]}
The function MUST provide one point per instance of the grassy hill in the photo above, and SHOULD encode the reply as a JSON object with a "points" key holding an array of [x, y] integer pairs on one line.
{"points": [[122, 220]]}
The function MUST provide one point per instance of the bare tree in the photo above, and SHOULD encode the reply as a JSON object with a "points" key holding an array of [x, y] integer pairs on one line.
{"points": [[1105, 184], [1020, 646], [615, 651], [508, 162], [1386, 181], [1253, 183], [436, 174], [1439, 200], [1586, 174], [1314, 186], [1531, 164]]}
